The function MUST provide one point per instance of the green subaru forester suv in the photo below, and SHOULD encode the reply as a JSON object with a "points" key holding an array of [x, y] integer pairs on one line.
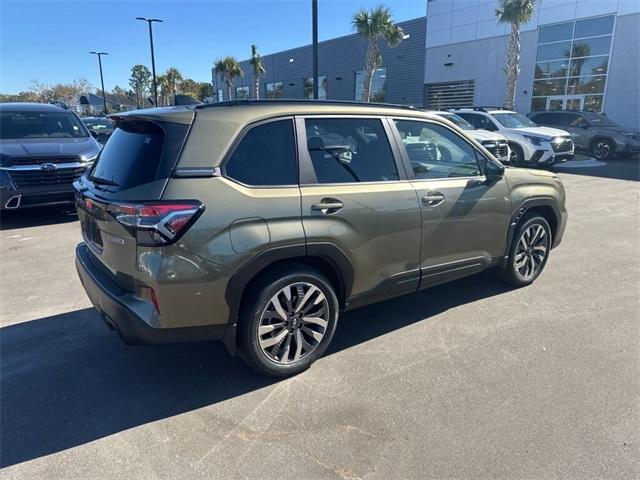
{"points": [[257, 222]]}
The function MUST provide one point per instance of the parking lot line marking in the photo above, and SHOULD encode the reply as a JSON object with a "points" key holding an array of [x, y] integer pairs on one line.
{"points": [[14, 236]]}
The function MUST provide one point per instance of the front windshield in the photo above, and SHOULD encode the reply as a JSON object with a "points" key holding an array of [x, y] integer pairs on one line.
{"points": [[21, 125], [513, 120], [599, 120], [457, 120], [98, 123]]}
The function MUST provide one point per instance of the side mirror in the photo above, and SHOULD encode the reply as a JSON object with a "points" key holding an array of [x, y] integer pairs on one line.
{"points": [[94, 134], [493, 170], [584, 125]]}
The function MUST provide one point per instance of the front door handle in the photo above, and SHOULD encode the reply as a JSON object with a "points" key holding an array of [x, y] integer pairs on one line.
{"points": [[327, 205], [433, 198]]}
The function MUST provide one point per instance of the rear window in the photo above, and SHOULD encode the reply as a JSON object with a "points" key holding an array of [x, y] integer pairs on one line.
{"points": [[131, 157], [21, 125]]}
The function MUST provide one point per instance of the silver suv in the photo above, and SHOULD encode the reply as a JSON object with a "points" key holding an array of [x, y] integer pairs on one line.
{"points": [[494, 142], [592, 132], [530, 144]]}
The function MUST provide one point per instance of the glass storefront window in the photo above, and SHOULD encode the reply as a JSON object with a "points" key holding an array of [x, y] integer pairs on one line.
{"points": [[242, 93], [591, 46], [322, 88], [593, 103], [550, 87], [552, 69], [274, 90], [555, 33], [538, 103], [591, 84], [554, 51], [592, 27], [588, 66], [377, 85], [572, 64]]}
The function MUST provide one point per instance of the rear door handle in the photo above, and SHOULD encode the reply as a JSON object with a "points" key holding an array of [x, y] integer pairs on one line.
{"points": [[433, 198], [327, 205]]}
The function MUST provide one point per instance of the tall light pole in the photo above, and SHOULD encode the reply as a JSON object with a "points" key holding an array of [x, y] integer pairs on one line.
{"points": [[314, 21], [104, 97], [153, 60]]}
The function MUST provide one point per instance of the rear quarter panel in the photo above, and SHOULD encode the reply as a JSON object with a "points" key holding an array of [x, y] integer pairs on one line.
{"points": [[191, 276]]}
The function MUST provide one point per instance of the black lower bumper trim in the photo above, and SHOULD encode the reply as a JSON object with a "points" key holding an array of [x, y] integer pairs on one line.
{"points": [[130, 326], [562, 157]]}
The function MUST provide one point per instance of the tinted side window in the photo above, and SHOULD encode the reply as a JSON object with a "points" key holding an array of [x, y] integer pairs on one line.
{"points": [[436, 151], [265, 156], [346, 150], [478, 121], [545, 119], [574, 120]]}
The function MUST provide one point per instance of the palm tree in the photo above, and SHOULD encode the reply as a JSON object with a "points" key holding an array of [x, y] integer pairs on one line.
{"points": [[228, 68], [258, 70], [375, 25], [514, 12], [164, 90], [173, 79]]}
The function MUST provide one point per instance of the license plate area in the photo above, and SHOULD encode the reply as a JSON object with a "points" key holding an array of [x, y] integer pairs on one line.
{"points": [[92, 234]]}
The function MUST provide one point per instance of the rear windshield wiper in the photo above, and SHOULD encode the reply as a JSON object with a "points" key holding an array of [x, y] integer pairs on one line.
{"points": [[103, 181]]}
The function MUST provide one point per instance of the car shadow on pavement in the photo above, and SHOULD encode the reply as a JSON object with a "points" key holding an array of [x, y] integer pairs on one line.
{"points": [[616, 168], [35, 217], [67, 380]]}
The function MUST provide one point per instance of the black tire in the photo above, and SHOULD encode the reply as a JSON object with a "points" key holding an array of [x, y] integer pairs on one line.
{"points": [[602, 149], [517, 155], [512, 273], [258, 302]]}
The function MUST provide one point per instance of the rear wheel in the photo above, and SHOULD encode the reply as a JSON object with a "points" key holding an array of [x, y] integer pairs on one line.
{"points": [[602, 149], [517, 155], [288, 322], [529, 251]]}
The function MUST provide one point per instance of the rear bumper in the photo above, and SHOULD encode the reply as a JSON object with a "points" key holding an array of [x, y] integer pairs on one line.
{"points": [[129, 316]]}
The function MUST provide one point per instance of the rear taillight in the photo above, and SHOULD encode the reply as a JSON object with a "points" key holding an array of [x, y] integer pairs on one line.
{"points": [[156, 224]]}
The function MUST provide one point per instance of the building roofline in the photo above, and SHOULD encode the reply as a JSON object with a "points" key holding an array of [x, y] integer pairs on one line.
{"points": [[334, 39]]}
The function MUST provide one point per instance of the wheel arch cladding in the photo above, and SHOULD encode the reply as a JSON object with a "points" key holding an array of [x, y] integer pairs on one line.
{"points": [[545, 207], [324, 257]]}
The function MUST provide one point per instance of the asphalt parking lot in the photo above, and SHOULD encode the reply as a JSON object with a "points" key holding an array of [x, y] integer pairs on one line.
{"points": [[467, 380]]}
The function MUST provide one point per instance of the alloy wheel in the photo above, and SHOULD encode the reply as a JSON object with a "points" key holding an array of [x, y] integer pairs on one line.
{"points": [[602, 149], [293, 323], [531, 251]]}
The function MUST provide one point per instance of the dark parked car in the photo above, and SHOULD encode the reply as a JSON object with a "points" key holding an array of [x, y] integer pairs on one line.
{"points": [[102, 126], [592, 132], [43, 150], [257, 222]]}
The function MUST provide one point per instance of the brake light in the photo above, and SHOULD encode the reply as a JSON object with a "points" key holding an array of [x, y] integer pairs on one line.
{"points": [[156, 224]]}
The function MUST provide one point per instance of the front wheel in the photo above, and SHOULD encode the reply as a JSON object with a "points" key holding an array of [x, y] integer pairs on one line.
{"points": [[288, 322], [529, 251], [517, 156], [602, 149]]}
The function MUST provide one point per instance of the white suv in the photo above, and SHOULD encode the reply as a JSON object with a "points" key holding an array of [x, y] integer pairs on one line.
{"points": [[494, 142], [529, 143]]}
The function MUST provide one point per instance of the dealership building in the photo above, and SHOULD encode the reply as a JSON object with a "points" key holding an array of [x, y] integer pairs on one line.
{"points": [[576, 54]]}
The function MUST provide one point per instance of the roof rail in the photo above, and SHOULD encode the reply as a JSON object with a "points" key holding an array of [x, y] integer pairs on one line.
{"points": [[483, 108], [235, 103]]}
